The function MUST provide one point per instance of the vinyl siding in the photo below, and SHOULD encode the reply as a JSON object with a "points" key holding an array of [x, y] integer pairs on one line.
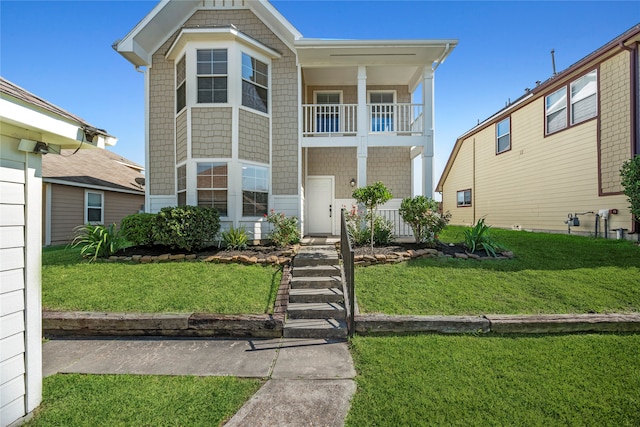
{"points": [[253, 137], [210, 132], [181, 137], [341, 163], [460, 178], [392, 166]]}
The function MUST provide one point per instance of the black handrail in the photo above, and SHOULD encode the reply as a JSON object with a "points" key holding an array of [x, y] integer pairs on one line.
{"points": [[346, 252]]}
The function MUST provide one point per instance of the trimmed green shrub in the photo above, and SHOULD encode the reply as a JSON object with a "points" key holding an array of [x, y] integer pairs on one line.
{"points": [[630, 180], [421, 213], [360, 232], [235, 238], [98, 241], [138, 229], [478, 237], [285, 230], [371, 197], [187, 227]]}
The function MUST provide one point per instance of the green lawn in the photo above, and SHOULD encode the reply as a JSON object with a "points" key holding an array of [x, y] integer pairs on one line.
{"points": [[563, 380], [551, 273], [140, 400], [71, 283]]}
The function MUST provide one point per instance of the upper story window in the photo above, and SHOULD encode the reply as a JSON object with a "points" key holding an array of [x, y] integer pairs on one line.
{"points": [[582, 104], [94, 207], [255, 83], [211, 183], [464, 198], [503, 136], [181, 84], [584, 98], [556, 111], [212, 75], [382, 111]]}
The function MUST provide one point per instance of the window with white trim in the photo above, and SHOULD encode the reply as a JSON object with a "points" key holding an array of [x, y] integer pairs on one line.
{"points": [[211, 69], [182, 185], [211, 183], [503, 136], [584, 98], [328, 111], [181, 84], [94, 207], [556, 111], [255, 190], [381, 107], [255, 83], [464, 198]]}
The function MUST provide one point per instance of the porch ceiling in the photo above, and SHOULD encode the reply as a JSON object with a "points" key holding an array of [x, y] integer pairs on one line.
{"points": [[376, 75]]}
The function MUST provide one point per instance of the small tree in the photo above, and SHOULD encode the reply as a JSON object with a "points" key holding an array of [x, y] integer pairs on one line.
{"points": [[371, 197], [421, 213], [630, 174]]}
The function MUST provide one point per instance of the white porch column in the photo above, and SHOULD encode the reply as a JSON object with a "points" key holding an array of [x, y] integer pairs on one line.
{"points": [[428, 117], [363, 124]]}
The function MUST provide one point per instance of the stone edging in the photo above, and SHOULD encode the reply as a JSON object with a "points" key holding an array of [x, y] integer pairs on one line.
{"points": [[380, 324], [395, 257], [285, 259]]}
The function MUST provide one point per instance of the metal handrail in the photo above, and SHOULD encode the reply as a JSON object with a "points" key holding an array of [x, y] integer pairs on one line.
{"points": [[348, 283]]}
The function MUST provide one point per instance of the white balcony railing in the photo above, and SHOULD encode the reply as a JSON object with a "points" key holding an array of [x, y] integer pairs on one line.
{"points": [[342, 119], [329, 119]]}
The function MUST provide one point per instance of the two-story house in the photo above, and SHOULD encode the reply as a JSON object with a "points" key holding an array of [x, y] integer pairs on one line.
{"points": [[245, 115], [556, 151]]}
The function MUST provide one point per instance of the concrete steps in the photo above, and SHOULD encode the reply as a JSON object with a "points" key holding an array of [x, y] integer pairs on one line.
{"points": [[316, 303]]}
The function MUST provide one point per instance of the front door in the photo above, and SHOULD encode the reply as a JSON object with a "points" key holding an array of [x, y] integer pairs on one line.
{"points": [[319, 194]]}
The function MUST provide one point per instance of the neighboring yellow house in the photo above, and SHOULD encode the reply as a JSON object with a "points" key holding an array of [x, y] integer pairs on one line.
{"points": [[554, 152]]}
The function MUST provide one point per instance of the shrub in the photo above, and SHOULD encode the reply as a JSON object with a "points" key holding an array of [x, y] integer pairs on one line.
{"points": [[421, 213], [235, 238], [360, 232], [138, 229], [371, 197], [98, 241], [478, 237], [285, 230], [630, 180], [186, 227]]}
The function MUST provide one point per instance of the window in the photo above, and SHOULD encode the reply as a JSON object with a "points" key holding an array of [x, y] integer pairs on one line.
{"points": [[328, 112], [212, 186], [255, 83], [503, 136], [255, 190], [212, 75], [181, 84], [556, 111], [464, 198], [584, 103], [94, 207], [182, 185], [381, 111]]}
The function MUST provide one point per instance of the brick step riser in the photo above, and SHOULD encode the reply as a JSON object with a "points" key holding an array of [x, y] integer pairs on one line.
{"points": [[315, 284], [316, 298], [316, 314], [314, 333]]}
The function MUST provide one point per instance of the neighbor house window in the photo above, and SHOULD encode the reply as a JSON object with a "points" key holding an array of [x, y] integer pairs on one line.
{"points": [[212, 186], [94, 207], [255, 190], [556, 111], [503, 136], [181, 85], [212, 75], [584, 100], [464, 198], [182, 185], [255, 83]]}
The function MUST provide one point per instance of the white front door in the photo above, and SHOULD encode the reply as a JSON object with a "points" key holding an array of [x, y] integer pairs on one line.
{"points": [[320, 209]]}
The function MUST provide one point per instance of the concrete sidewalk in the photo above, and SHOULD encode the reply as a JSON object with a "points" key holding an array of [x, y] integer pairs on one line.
{"points": [[310, 381]]}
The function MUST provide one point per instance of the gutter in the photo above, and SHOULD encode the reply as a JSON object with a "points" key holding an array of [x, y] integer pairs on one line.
{"points": [[440, 60]]}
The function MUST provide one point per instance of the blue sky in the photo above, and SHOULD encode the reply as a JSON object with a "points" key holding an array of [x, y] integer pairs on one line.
{"points": [[61, 51]]}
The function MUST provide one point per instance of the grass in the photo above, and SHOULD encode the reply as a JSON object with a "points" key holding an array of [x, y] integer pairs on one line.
{"points": [[551, 273], [568, 380], [70, 283], [140, 400]]}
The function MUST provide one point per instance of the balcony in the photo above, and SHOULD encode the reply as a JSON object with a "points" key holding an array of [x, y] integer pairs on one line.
{"points": [[341, 120]]}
